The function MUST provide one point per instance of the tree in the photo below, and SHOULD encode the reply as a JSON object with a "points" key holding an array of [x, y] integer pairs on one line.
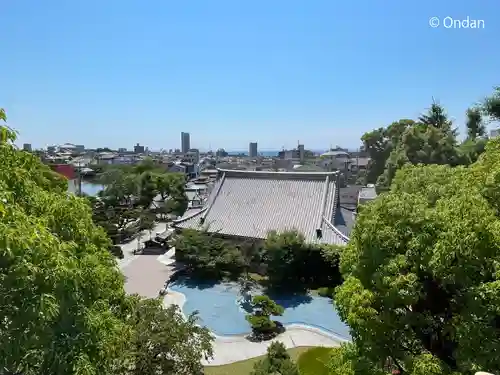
{"points": [[380, 143], [491, 105], [474, 124], [164, 342], [294, 264], [277, 362], [347, 360], [260, 319], [207, 256], [436, 117], [281, 252], [421, 283], [62, 296]]}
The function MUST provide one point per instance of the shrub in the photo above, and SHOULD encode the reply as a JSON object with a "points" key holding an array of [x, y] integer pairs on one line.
{"points": [[294, 264], [117, 251], [208, 256], [260, 319], [326, 292], [277, 361]]}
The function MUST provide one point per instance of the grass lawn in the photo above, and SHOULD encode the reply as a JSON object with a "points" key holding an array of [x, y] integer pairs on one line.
{"points": [[313, 361], [246, 367]]}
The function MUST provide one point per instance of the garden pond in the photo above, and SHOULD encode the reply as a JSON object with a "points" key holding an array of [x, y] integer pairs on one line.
{"points": [[222, 309]]}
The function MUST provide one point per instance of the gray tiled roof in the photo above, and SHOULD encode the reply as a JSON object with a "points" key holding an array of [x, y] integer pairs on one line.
{"points": [[250, 204]]}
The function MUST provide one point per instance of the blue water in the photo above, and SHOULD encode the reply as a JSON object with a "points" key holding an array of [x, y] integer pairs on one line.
{"points": [[218, 309], [91, 189]]}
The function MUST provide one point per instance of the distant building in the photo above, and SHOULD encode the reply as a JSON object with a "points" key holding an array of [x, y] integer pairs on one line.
{"points": [[185, 143], [193, 156], [289, 154], [122, 149], [221, 153], [27, 147], [301, 150], [138, 149], [252, 150], [79, 148], [335, 160], [494, 133]]}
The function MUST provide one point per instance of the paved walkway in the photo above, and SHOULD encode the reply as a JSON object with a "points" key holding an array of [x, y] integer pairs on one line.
{"points": [[129, 247], [147, 274]]}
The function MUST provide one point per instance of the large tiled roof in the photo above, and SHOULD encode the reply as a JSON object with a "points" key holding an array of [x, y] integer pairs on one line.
{"points": [[251, 203]]}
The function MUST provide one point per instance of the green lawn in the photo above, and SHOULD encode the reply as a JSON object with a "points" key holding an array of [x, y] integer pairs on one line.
{"points": [[310, 360], [245, 367], [313, 361]]}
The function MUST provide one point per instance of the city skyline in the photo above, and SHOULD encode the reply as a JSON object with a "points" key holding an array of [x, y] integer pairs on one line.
{"points": [[227, 73]]}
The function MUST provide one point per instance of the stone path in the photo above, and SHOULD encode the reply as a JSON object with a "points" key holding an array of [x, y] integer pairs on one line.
{"points": [[129, 247]]}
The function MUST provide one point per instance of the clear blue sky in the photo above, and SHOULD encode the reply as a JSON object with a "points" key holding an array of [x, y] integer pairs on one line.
{"points": [[116, 72]]}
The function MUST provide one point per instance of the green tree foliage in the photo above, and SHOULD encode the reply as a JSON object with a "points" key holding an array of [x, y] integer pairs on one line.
{"points": [[260, 319], [128, 202], [475, 125], [61, 294], [421, 270], [347, 360], [379, 144], [429, 140], [207, 256], [491, 105], [63, 305], [292, 263], [277, 362], [164, 342]]}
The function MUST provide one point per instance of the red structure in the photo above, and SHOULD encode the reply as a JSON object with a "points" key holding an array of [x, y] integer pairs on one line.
{"points": [[67, 170]]}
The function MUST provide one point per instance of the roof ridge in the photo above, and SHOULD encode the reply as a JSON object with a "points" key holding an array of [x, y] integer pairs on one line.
{"points": [[271, 174], [336, 230], [183, 219], [216, 194], [323, 206]]}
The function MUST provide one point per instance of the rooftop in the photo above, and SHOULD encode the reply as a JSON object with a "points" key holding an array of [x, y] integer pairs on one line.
{"points": [[252, 203]]}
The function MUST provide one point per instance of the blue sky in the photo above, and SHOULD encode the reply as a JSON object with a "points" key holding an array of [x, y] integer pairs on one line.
{"points": [[116, 72]]}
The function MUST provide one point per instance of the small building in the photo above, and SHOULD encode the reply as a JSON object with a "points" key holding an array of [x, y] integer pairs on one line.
{"points": [[27, 147], [249, 204], [367, 194], [335, 160], [68, 171]]}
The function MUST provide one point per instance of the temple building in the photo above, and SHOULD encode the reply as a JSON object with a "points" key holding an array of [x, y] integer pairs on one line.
{"points": [[249, 204]]}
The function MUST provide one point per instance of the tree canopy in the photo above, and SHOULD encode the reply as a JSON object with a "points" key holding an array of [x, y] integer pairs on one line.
{"points": [[129, 202], [61, 293], [63, 306], [421, 270], [430, 139]]}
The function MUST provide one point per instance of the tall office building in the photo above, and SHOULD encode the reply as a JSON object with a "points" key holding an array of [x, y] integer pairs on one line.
{"points": [[27, 147], [185, 143], [138, 149], [301, 150], [252, 150]]}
